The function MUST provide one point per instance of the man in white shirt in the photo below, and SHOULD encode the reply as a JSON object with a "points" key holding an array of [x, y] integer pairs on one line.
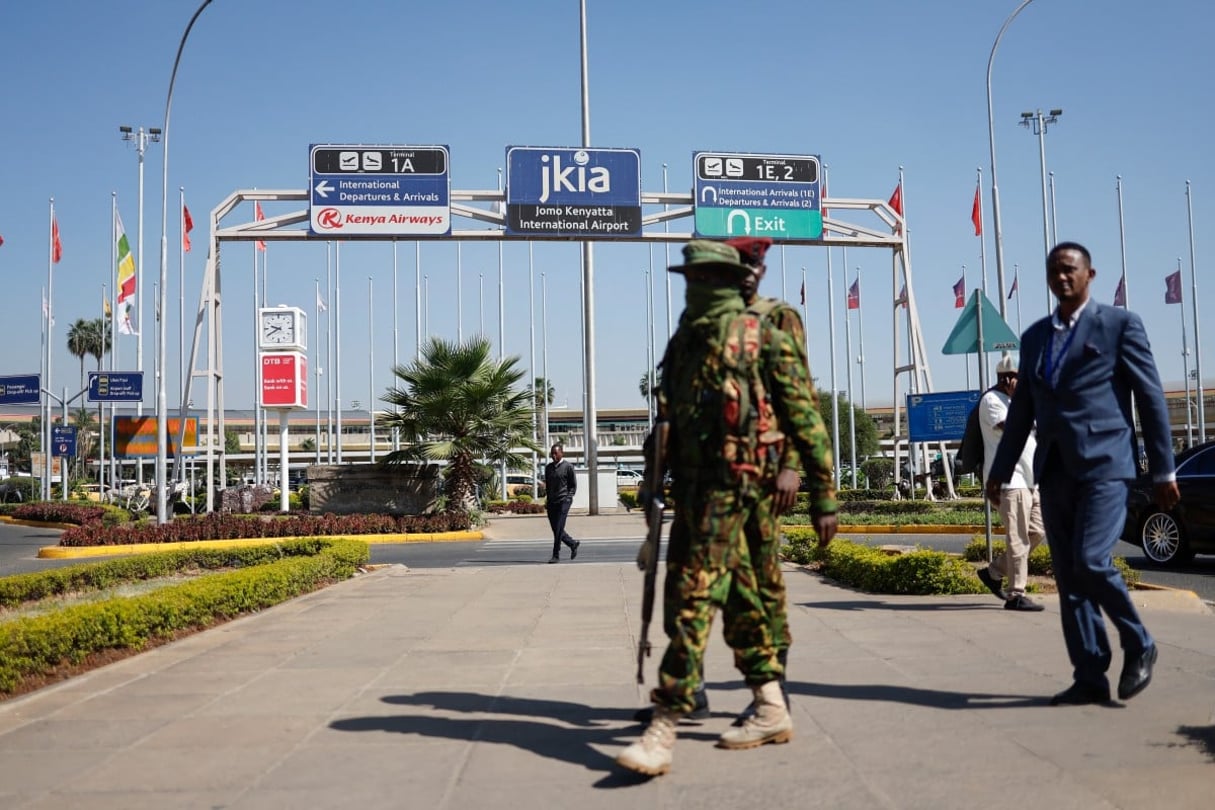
{"points": [[1020, 509]]}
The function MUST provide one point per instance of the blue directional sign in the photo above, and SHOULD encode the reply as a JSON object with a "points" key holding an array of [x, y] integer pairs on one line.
{"points": [[23, 390], [115, 386], [941, 416], [379, 190], [757, 195], [63, 440], [573, 192]]}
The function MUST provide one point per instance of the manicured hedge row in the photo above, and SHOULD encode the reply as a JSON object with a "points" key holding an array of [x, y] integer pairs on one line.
{"points": [[231, 527], [1039, 559], [38, 645], [920, 572]]}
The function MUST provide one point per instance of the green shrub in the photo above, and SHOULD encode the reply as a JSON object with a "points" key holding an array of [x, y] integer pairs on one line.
{"points": [[628, 497], [268, 575], [1039, 559], [922, 571]]}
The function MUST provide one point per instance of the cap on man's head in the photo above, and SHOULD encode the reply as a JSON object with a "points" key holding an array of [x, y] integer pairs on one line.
{"points": [[751, 249], [709, 255], [1006, 365]]}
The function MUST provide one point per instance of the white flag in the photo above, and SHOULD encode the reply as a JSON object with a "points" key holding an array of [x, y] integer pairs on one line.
{"points": [[125, 326], [320, 302]]}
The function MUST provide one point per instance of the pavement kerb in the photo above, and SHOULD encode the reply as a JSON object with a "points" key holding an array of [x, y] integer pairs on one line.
{"points": [[81, 552], [35, 524]]}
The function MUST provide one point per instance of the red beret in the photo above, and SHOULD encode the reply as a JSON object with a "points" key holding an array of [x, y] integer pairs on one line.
{"points": [[751, 249]]}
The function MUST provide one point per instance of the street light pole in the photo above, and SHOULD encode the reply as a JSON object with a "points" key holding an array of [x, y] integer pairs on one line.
{"points": [[141, 138], [1039, 124], [991, 139], [162, 438]]}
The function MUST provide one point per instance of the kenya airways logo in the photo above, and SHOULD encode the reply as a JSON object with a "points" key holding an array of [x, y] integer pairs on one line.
{"points": [[329, 218]]}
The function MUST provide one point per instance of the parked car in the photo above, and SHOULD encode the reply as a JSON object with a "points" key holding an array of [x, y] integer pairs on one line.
{"points": [[520, 484], [1175, 536], [628, 478]]}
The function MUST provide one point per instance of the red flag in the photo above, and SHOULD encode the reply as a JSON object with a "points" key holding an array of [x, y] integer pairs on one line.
{"points": [[56, 245], [1172, 288], [823, 200], [896, 202], [259, 216], [803, 294], [854, 295], [959, 293], [187, 225], [976, 214], [1013, 289], [1, 240], [1120, 293]]}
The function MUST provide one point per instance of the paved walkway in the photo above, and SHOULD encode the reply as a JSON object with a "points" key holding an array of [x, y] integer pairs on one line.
{"points": [[513, 686]]}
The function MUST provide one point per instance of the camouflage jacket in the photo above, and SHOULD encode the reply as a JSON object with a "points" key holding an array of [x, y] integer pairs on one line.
{"points": [[688, 399]]}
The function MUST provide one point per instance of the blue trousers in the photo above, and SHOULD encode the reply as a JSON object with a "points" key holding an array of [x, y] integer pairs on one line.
{"points": [[1083, 523]]}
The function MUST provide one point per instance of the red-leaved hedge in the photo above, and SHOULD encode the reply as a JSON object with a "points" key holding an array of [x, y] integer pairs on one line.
{"points": [[230, 527]]}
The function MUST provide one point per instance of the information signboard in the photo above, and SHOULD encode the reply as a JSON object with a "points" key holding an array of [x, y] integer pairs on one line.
{"points": [[573, 192], [939, 416], [757, 195]]}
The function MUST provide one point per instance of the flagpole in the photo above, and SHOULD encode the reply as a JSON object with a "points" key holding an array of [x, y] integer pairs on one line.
{"points": [[666, 246], [1185, 365], [50, 333], [544, 351], [1202, 405], [265, 412], [531, 361], [835, 397], [459, 293], [860, 336], [316, 356], [181, 301], [981, 357], [396, 338], [426, 302], [257, 380], [848, 356], [982, 240], [649, 344], [1054, 213], [784, 290], [101, 407], [1016, 273], [480, 305], [1126, 294], [113, 326], [371, 368], [805, 313]]}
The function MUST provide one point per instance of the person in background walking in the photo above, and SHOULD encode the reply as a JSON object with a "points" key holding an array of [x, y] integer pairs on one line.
{"points": [[1020, 506], [560, 484], [1079, 369]]}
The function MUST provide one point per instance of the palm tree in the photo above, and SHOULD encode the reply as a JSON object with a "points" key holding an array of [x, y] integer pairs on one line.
{"points": [[543, 392], [99, 339], [457, 404], [78, 343]]}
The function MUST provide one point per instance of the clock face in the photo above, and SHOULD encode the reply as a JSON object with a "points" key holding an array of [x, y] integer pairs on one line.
{"points": [[278, 328]]}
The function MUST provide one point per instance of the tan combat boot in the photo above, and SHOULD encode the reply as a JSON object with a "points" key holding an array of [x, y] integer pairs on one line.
{"points": [[771, 722], [652, 754]]}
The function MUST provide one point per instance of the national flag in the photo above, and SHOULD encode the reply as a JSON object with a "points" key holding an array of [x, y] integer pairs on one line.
{"points": [[823, 201], [1172, 291], [259, 216], [903, 296], [125, 326], [854, 295], [320, 302], [896, 202], [187, 225], [803, 294], [959, 293], [976, 214], [105, 306], [1013, 289], [126, 263], [1, 240], [1120, 293], [56, 245]]}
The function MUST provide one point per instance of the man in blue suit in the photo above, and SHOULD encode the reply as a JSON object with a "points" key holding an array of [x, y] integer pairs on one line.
{"points": [[1079, 369]]}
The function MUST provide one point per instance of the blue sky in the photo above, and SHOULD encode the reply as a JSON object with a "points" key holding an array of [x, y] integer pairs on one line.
{"points": [[870, 86]]}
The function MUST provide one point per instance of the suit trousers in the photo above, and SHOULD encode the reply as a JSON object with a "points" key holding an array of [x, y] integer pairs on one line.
{"points": [[1084, 520], [557, 513]]}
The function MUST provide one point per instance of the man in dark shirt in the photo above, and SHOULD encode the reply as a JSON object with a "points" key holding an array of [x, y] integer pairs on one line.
{"points": [[560, 484]]}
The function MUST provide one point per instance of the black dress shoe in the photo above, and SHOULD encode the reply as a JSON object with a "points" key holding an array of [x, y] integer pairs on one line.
{"points": [[1081, 694], [574, 549], [554, 559], [994, 585], [1136, 673]]}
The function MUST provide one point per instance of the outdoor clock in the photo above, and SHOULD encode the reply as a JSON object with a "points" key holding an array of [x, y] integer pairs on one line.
{"points": [[282, 328]]}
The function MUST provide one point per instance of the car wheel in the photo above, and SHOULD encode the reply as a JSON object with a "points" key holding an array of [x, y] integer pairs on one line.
{"points": [[1162, 539]]}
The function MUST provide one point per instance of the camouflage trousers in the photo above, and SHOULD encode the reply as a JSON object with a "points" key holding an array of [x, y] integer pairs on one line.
{"points": [[763, 535], [709, 567]]}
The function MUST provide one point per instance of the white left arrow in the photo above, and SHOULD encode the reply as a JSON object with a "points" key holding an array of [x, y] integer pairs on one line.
{"points": [[323, 188]]}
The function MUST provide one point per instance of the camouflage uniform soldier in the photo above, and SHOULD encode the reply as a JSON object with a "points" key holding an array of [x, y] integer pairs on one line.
{"points": [[734, 389]]}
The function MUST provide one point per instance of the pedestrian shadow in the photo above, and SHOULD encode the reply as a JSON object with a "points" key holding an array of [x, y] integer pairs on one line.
{"points": [[887, 693], [1200, 737], [562, 730], [878, 604]]}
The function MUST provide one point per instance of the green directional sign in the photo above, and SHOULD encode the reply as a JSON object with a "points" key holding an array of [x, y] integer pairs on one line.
{"points": [[775, 223]]}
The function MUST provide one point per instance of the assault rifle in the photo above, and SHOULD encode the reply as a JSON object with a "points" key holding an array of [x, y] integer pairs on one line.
{"points": [[647, 557]]}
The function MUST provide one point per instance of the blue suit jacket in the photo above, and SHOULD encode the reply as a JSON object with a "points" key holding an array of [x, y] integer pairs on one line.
{"points": [[1085, 422]]}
